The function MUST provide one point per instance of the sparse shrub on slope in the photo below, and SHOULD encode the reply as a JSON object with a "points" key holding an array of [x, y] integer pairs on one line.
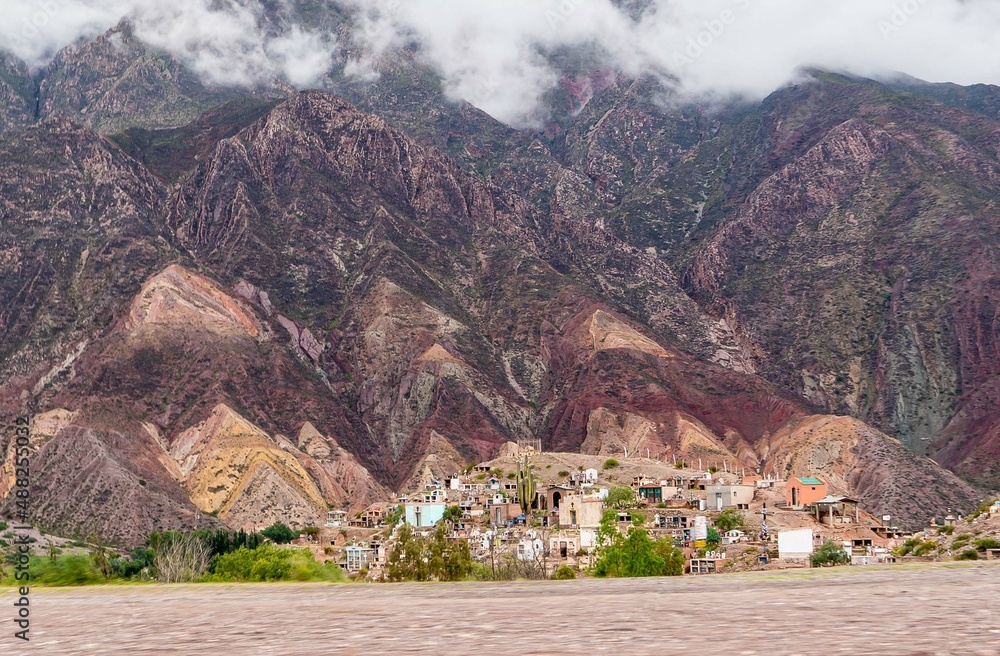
{"points": [[829, 554], [564, 573]]}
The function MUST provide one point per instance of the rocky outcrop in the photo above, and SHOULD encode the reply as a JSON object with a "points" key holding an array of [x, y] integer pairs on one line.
{"points": [[342, 479], [232, 467], [604, 331], [177, 300], [116, 82], [302, 338], [17, 94], [631, 434]]}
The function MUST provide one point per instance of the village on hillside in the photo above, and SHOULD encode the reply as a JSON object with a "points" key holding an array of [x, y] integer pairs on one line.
{"points": [[721, 520]]}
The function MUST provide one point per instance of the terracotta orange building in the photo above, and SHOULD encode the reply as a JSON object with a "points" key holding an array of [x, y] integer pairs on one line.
{"points": [[804, 491]]}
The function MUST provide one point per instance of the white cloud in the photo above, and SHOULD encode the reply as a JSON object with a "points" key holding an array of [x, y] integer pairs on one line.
{"points": [[488, 50], [494, 53], [224, 42]]}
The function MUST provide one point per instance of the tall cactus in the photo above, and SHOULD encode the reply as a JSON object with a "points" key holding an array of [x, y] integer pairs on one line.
{"points": [[525, 486]]}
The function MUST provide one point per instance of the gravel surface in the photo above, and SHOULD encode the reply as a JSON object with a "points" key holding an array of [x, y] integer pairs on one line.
{"points": [[927, 609]]}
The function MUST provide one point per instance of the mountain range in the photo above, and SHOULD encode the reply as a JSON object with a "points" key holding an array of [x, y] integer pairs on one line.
{"points": [[238, 306]]}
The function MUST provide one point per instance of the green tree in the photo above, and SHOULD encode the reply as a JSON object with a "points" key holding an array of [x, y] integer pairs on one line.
{"points": [[417, 559], [453, 514], [279, 533], [620, 498], [633, 554], [713, 536], [406, 562], [449, 560], [830, 553], [311, 532], [728, 520], [610, 463], [673, 558]]}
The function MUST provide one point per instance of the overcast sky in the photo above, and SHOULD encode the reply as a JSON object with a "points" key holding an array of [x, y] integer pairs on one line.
{"points": [[493, 52]]}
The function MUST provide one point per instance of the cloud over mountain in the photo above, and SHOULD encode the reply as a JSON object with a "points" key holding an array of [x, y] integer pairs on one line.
{"points": [[504, 55]]}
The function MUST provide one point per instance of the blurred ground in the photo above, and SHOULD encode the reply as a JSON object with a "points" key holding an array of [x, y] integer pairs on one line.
{"points": [[905, 609]]}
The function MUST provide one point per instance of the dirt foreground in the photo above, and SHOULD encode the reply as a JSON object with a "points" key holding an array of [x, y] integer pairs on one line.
{"points": [[927, 609]]}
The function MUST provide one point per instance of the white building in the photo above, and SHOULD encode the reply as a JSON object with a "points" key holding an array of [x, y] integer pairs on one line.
{"points": [[796, 544], [700, 528]]}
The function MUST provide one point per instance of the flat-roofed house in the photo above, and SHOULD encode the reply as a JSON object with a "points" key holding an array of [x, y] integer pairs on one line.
{"points": [[804, 491]]}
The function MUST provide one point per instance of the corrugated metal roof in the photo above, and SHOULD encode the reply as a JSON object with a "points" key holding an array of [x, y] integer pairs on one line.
{"points": [[831, 499]]}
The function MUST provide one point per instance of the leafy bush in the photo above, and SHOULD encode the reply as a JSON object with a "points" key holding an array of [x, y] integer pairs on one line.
{"points": [[139, 564], [908, 546], [271, 563], [946, 530], [982, 544], [452, 514], [925, 548], [968, 554], [620, 498], [634, 554], [713, 536], [983, 507], [305, 568], [65, 570], [830, 553], [564, 573], [563, 473], [728, 520], [279, 533], [610, 463], [3, 526], [265, 563]]}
